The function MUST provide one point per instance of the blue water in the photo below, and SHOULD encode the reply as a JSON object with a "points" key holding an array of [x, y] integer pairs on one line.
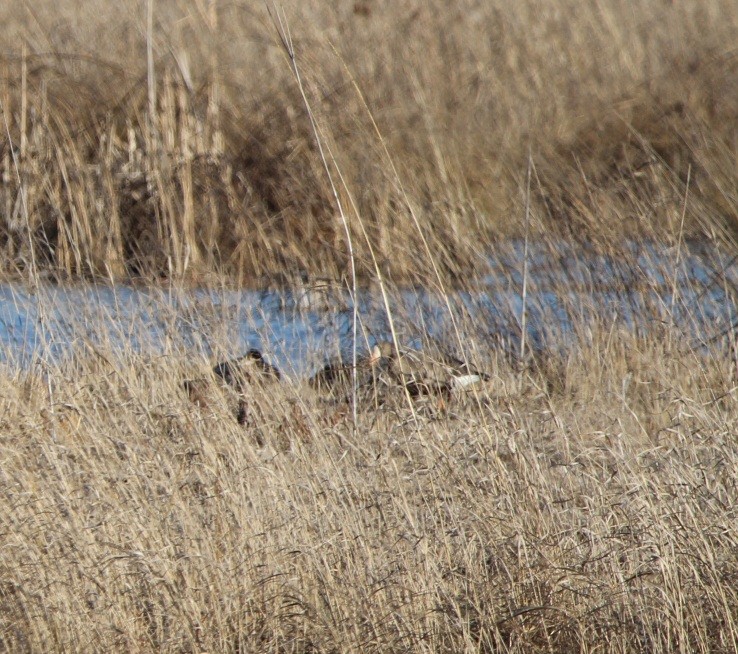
{"points": [[568, 289]]}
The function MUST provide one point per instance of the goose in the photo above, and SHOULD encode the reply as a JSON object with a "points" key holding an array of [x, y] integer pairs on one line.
{"points": [[237, 375], [247, 369], [320, 295], [338, 373], [422, 373]]}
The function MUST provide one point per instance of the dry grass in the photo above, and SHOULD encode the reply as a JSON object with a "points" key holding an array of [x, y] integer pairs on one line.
{"points": [[584, 506], [213, 169], [582, 503]]}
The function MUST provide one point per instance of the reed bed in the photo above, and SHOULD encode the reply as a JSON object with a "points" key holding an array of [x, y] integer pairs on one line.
{"points": [[183, 148], [585, 503], [582, 500]]}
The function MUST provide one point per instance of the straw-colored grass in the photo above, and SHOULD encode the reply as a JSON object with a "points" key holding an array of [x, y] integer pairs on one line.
{"points": [[206, 163], [581, 501], [583, 506]]}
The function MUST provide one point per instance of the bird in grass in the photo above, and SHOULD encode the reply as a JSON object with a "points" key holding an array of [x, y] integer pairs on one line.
{"points": [[235, 375], [423, 373], [245, 370], [386, 367], [320, 295], [339, 373]]}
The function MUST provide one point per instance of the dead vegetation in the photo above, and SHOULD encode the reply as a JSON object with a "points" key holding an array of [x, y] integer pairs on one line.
{"points": [[581, 500], [592, 513], [205, 163]]}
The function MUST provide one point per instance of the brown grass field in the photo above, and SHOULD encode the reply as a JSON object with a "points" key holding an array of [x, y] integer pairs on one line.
{"points": [[205, 163], [582, 502], [587, 504]]}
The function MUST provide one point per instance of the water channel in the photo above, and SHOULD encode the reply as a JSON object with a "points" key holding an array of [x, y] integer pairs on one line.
{"points": [[567, 289]]}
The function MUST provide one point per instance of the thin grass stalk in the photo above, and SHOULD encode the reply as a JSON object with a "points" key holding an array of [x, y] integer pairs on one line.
{"points": [[385, 298], [33, 267], [524, 291], [150, 73], [24, 104], [215, 144], [280, 23], [375, 262], [675, 277], [418, 229]]}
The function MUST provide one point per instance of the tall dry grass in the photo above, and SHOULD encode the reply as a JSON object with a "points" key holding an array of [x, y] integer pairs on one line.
{"points": [[586, 504], [206, 165], [583, 501]]}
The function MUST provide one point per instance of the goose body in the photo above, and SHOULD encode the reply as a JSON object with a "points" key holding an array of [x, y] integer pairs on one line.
{"points": [[339, 373], [235, 375], [386, 367], [319, 294], [423, 373], [247, 369]]}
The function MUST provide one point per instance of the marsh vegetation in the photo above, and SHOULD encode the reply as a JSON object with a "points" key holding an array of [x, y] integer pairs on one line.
{"points": [[581, 499]]}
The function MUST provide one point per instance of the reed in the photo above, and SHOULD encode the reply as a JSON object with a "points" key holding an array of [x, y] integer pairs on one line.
{"points": [[583, 503], [580, 500], [184, 149]]}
